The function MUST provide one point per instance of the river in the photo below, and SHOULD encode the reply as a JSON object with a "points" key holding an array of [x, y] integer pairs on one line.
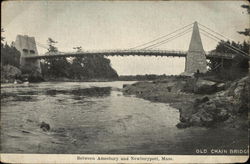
{"points": [[96, 118]]}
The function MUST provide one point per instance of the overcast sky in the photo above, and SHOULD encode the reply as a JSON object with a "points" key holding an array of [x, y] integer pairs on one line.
{"points": [[120, 25]]}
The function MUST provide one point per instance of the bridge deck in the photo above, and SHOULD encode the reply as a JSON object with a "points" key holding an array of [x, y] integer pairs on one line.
{"points": [[127, 53]]}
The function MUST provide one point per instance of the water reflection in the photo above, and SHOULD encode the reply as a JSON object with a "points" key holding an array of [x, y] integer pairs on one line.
{"points": [[77, 93], [18, 97], [85, 92]]}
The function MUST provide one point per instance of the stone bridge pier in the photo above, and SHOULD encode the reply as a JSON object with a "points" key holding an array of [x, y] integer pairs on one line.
{"points": [[196, 56], [27, 47]]}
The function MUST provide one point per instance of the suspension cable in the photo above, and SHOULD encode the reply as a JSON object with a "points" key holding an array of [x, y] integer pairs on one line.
{"points": [[225, 42], [224, 45], [169, 39], [245, 54], [215, 32], [161, 37], [216, 40], [221, 36]]}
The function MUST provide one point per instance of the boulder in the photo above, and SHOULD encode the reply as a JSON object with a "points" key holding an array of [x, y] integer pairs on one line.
{"points": [[220, 87], [222, 114], [182, 125], [198, 101], [186, 111], [205, 87], [207, 119], [202, 82], [125, 85], [195, 120], [209, 107], [45, 126]]}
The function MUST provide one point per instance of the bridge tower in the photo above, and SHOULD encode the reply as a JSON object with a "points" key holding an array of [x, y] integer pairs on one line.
{"points": [[27, 46], [196, 59]]}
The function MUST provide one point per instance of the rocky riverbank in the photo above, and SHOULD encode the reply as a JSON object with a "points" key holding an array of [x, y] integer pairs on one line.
{"points": [[9, 73], [200, 102]]}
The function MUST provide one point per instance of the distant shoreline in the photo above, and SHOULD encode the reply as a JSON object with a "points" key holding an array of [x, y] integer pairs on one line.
{"points": [[120, 78]]}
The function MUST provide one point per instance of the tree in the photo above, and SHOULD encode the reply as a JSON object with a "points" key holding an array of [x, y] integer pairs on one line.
{"points": [[51, 44], [91, 67], [2, 37], [78, 49], [55, 67], [10, 55], [81, 68]]}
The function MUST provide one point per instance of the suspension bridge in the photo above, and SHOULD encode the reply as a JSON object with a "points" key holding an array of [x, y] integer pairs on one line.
{"points": [[156, 53], [195, 56]]}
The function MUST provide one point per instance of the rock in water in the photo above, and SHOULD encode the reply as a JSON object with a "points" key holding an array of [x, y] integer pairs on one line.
{"points": [[182, 125], [205, 87], [125, 85], [44, 126]]}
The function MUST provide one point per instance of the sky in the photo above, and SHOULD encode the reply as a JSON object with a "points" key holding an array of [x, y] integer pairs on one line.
{"points": [[98, 25]]}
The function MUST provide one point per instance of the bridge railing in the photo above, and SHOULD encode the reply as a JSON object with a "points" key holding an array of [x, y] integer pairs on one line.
{"points": [[154, 52], [115, 51], [220, 54]]}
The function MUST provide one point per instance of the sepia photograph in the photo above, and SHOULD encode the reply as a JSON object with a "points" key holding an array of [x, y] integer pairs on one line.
{"points": [[125, 81]]}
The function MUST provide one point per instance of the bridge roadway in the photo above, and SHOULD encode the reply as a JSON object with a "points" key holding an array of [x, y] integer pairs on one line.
{"points": [[127, 53]]}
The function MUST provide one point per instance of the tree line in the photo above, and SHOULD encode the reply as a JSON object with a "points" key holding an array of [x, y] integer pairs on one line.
{"points": [[76, 67], [9, 54], [231, 69]]}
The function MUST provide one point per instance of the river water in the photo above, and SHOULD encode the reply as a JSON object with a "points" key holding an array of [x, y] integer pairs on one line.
{"points": [[96, 118]]}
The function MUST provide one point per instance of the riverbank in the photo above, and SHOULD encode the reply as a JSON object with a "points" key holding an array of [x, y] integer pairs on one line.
{"points": [[200, 102]]}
